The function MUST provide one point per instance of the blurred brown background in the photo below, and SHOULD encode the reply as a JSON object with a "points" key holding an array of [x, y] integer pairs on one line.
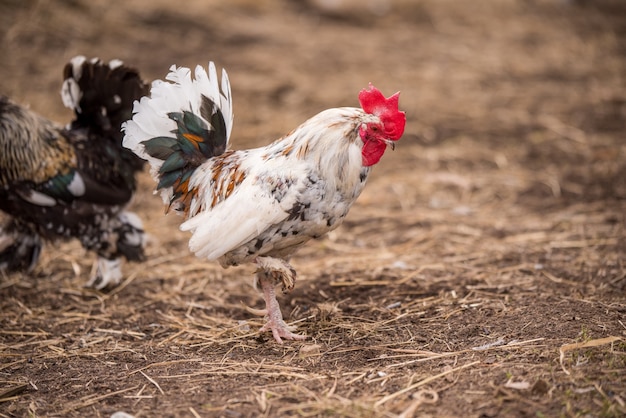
{"points": [[499, 219]]}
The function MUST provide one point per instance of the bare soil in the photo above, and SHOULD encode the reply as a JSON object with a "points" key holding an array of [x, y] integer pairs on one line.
{"points": [[482, 273]]}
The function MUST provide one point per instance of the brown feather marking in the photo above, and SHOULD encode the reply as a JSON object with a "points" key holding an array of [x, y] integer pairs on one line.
{"points": [[303, 151], [181, 186], [229, 188], [187, 200], [217, 170], [186, 195], [221, 161], [194, 139], [240, 177], [235, 180], [287, 150], [226, 181]]}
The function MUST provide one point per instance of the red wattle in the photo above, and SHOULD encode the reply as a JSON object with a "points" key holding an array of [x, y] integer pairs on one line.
{"points": [[372, 151]]}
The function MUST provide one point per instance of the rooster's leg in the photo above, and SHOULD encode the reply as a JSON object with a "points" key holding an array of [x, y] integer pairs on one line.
{"points": [[105, 273], [19, 250], [268, 278], [280, 269], [121, 236]]}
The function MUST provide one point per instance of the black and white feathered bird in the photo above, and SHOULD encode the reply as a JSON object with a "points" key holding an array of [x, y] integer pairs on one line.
{"points": [[75, 180], [257, 205]]}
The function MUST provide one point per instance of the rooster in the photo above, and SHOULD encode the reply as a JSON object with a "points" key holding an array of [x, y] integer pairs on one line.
{"points": [[258, 205], [73, 181]]}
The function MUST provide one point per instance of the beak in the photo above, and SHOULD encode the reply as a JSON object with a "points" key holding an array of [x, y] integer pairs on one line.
{"points": [[390, 143]]}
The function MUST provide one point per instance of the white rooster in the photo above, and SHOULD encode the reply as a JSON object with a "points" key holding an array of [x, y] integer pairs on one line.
{"points": [[258, 205]]}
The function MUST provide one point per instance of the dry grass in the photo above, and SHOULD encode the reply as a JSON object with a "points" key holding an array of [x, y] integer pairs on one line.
{"points": [[481, 273]]}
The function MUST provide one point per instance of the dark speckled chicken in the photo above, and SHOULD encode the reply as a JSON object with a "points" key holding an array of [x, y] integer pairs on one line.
{"points": [[75, 181]]}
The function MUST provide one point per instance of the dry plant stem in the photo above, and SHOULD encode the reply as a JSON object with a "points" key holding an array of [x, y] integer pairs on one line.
{"points": [[275, 321]]}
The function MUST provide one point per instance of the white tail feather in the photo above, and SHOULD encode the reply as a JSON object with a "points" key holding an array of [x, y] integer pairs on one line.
{"points": [[179, 93]]}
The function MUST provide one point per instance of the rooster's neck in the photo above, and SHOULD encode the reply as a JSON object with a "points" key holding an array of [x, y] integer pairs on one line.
{"points": [[329, 143]]}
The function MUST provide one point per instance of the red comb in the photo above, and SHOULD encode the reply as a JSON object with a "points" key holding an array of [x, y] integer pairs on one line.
{"points": [[373, 102]]}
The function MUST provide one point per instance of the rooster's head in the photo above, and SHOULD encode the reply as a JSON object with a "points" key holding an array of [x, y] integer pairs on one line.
{"points": [[388, 127]]}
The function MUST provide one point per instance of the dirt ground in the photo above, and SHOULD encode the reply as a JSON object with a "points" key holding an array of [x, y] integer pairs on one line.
{"points": [[482, 273]]}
